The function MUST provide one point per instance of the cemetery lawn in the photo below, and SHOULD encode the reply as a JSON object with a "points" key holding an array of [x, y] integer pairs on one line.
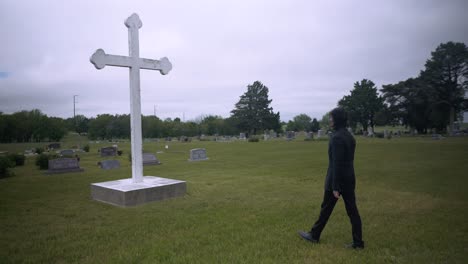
{"points": [[245, 205]]}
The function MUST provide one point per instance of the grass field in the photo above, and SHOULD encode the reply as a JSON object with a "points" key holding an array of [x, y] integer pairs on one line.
{"points": [[245, 205]]}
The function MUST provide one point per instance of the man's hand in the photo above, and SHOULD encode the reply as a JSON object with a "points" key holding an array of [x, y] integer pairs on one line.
{"points": [[336, 194]]}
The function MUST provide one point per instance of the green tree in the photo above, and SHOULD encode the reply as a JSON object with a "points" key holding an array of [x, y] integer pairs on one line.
{"points": [[291, 126], [324, 123], [446, 73], [81, 124], [362, 104], [56, 128], [303, 122], [409, 103], [151, 127], [98, 126], [253, 112], [315, 126], [211, 125]]}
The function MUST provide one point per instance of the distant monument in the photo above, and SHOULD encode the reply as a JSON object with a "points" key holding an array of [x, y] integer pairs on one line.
{"points": [[138, 189]]}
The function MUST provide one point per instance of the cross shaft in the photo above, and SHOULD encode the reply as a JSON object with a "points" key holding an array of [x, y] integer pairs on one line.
{"points": [[100, 59]]}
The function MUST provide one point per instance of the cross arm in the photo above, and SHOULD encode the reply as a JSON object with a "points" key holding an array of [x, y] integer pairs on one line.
{"points": [[163, 65], [100, 59]]}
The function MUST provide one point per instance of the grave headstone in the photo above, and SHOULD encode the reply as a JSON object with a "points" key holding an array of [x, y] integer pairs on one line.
{"points": [[150, 159], [290, 135], [309, 135], [319, 133], [198, 154], [109, 164], [273, 134], [242, 136], [370, 133], [108, 152], [63, 165], [67, 152]]}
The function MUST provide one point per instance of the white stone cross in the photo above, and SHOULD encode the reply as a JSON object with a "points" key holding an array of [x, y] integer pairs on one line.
{"points": [[100, 59]]}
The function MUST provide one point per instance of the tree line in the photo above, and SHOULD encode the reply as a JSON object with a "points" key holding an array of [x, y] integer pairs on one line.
{"points": [[31, 126], [432, 100]]}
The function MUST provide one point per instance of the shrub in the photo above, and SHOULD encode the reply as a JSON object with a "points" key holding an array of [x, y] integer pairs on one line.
{"points": [[39, 150], [17, 159], [119, 152], [254, 139], [5, 164], [379, 134], [42, 160], [86, 148]]}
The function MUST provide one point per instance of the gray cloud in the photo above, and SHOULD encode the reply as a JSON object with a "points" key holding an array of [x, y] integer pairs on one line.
{"points": [[309, 53]]}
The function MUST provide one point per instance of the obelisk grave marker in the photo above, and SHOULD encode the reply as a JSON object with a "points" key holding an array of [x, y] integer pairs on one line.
{"points": [[138, 189]]}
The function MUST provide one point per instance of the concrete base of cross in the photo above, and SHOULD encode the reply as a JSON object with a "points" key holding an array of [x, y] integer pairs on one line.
{"points": [[125, 193]]}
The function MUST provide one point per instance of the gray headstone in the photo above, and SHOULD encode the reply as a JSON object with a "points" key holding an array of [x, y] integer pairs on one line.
{"points": [[309, 135], [108, 152], [198, 154], [319, 133], [273, 134], [150, 159], [64, 165], [109, 164], [290, 135], [67, 152], [242, 136]]}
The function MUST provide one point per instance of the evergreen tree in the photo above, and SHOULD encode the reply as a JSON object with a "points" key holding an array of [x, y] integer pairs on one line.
{"points": [[253, 112], [362, 104], [446, 73]]}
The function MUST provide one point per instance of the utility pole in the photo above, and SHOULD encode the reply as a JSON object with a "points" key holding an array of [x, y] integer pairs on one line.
{"points": [[74, 109]]}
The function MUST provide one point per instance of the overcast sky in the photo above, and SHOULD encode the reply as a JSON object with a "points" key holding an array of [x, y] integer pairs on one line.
{"points": [[308, 53]]}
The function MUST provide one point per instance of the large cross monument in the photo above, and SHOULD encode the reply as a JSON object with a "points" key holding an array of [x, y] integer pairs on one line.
{"points": [[138, 189]]}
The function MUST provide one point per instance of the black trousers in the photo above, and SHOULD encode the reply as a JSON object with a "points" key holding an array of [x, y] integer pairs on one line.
{"points": [[328, 204]]}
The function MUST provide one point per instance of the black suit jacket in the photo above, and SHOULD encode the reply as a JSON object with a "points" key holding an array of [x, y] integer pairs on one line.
{"points": [[340, 173]]}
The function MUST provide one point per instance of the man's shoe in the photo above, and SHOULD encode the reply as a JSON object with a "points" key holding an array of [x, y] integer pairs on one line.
{"points": [[355, 246], [307, 236]]}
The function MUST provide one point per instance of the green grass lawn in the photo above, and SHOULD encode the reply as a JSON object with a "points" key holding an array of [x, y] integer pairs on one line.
{"points": [[245, 205]]}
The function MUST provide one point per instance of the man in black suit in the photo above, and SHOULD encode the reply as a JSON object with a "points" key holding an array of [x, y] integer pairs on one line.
{"points": [[340, 181]]}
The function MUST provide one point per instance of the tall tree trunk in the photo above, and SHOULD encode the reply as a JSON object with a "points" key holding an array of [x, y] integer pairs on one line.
{"points": [[452, 120]]}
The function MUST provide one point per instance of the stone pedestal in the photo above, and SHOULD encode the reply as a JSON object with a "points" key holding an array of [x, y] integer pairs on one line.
{"points": [[126, 193]]}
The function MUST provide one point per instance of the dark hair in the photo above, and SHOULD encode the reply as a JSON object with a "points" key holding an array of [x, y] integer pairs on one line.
{"points": [[340, 118]]}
